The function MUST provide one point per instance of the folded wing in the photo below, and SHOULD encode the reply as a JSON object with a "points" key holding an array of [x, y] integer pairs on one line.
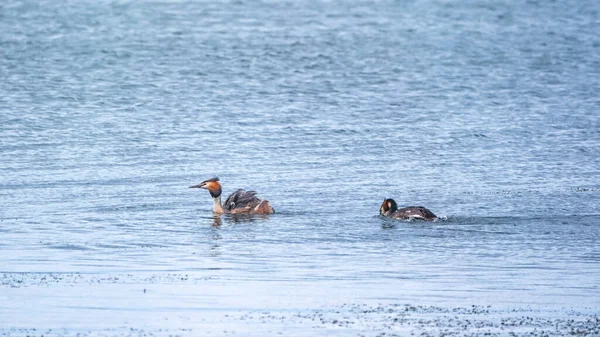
{"points": [[418, 212], [241, 201]]}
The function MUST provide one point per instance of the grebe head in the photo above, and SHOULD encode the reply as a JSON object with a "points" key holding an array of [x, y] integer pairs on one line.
{"points": [[212, 185], [388, 207]]}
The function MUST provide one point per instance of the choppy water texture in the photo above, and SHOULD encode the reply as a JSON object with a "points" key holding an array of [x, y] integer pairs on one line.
{"points": [[485, 112]]}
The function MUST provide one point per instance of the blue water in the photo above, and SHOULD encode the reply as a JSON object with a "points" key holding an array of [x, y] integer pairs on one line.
{"points": [[485, 112]]}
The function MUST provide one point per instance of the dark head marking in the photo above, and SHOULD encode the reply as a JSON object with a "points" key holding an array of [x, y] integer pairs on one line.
{"points": [[388, 206], [212, 185], [215, 192]]}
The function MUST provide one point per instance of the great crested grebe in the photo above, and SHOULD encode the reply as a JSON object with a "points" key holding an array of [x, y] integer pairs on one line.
{"points": [[390, 209], [239, 202]]}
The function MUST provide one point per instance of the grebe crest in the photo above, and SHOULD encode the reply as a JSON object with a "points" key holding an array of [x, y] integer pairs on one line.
{"points": [[212, 185], [389, 208], [239, 202]]}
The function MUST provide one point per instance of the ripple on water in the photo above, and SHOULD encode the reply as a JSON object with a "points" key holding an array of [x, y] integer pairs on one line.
{"points": [[484, 113]]}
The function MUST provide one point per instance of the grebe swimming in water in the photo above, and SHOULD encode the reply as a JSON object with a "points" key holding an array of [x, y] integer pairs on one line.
{"points": [[390, 209], [239, 202]]}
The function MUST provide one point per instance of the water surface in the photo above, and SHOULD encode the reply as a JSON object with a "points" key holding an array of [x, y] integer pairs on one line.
{"points": [[485, 113]]}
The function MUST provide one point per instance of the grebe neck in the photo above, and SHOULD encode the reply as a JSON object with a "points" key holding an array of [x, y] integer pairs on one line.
{"points": [[217, 208]]}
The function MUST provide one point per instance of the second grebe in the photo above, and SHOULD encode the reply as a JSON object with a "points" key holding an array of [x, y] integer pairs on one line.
{"points": [[390, 209], [239, 202]]}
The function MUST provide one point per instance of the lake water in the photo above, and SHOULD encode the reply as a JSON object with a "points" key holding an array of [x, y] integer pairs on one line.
{"points": [[487, 113]]}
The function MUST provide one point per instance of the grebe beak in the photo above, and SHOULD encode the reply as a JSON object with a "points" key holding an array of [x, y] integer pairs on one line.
{"points": [[198, 186]]}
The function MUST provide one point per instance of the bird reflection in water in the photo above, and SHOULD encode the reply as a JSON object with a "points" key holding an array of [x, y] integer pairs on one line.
{"points": [[218, 220]]}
